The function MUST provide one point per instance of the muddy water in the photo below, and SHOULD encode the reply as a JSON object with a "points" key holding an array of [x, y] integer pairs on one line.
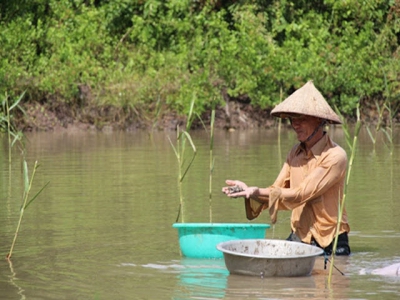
{"points": [[102, 228]]}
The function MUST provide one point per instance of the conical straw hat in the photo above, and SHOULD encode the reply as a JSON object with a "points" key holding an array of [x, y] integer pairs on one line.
{"points": [[307, 100]]}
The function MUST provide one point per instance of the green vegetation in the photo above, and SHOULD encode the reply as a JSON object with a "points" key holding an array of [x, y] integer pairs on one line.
{"points": [[183, 137], [26, 201], [144, 58], [212, 162], [384, 123], [351, 141], [7, 125]]}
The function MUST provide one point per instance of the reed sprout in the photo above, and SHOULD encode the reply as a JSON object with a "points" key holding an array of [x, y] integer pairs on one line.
{"points": [[183, 137], [352, 144], [27, 189], [14, 135], [212, 161], [380, 126], [6, 124], [383, 110]]}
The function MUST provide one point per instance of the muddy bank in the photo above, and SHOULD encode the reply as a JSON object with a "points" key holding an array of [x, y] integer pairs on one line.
{"points": [[43, 117], [234, 115]]}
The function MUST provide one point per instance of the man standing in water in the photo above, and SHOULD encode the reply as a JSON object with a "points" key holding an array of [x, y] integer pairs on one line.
{"points": [[311, 181]]}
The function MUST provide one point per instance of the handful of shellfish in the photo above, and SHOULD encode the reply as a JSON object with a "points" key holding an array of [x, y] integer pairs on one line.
{"points": [[235, 189]]}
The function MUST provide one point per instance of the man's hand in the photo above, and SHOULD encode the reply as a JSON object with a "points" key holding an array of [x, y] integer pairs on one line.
{"points": [[237, 189]]}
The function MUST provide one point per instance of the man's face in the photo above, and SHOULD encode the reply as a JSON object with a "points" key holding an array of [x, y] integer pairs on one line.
{"points": [[304, 126]]}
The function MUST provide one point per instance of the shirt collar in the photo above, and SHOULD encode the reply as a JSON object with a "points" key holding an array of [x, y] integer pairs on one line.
{"points": [[315, 150]]}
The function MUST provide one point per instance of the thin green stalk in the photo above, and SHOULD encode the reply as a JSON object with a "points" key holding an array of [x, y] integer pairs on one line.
{"points": [[280, 131], [178, 157], [11, 131], [212, 160], [182, 168], [27, 188], [388, 131], [353, 146], [9, 139], [179, 150], [392, 113], [8, 130], [386, 106]]}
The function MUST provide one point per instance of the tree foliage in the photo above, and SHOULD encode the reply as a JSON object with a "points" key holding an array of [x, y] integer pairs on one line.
{"points": [[134, 53]]}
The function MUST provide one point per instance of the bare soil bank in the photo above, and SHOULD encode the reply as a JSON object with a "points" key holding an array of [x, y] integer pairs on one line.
{"points": [[234, 115]]}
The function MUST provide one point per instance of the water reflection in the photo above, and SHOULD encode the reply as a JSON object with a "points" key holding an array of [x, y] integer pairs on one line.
{"points": [[13, 280], [209, 279], [201, 279], [271, 287]]}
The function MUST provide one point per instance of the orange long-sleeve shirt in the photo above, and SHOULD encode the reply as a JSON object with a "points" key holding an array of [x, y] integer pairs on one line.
{"points": [[310, 184]]}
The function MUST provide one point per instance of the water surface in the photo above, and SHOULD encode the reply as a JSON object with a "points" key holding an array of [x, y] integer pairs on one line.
{"points": [[102, 228]]}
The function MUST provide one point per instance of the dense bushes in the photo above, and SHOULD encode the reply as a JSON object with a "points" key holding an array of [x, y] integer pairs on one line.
{"points": [[151, 54]]}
